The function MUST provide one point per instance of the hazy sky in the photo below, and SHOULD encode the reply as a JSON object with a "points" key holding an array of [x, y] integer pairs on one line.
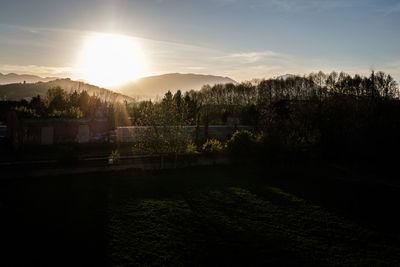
{"points": [[242, 39]]}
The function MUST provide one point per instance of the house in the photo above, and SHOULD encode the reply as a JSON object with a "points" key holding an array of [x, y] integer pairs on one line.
{"points": [[55, 130]]}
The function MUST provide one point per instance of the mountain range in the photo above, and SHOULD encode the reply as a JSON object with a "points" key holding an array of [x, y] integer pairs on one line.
{"points": [[18, 91], [156, 86], [16, 87], [21, 78]]}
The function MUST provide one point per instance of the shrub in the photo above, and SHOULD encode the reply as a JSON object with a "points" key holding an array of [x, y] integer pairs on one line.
{"points": [[212, 146], [71, 113], [27, 112], [74, 113], [191, 148], [56, 114], [114, 157], [241, 142]]}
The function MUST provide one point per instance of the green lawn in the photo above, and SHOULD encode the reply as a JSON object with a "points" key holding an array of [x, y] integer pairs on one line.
{"points": [[227, 215]]}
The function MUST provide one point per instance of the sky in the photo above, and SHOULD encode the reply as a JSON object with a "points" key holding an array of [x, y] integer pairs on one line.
{"points": [[241, 39]]}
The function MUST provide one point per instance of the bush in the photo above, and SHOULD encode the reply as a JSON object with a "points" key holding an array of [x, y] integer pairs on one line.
{"points": [[27, 112], [71, 113], [212, 146], [241, 142], [114, 157], [191, 148]]}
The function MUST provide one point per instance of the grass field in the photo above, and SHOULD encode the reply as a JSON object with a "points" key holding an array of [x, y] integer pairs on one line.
{"points": [[221, 215]]}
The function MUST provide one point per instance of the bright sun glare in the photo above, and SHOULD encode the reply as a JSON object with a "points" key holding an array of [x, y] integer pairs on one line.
{"points": [[110, 59]]}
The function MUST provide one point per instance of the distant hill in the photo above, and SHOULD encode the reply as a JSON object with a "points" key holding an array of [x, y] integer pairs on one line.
{"points": [[18, 91], [153, 86], [21, 78], [12, 86]]}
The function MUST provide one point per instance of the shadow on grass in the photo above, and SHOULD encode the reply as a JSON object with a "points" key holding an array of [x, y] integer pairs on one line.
{"points": [[226, 215]]}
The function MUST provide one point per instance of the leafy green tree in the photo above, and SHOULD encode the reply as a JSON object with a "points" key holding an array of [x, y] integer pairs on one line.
{"points": [[212, 146], [74, 99], [26, 112], [84, 102], [241, 142], [56, 99], [38, 105]]}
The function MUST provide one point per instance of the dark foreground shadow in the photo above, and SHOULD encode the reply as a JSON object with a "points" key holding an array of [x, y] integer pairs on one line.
{"points": [[297, 215]]}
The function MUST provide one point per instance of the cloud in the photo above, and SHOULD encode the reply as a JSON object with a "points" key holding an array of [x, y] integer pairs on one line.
{"points": [[290, 5], [240, 65], [196, 68], [164, 57], [252, 57], [44, 71], [313, 5]]}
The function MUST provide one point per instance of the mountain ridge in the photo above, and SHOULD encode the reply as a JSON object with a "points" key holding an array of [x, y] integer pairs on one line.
{"points": [[18, 91], [150, 87], [21, 78], [157, 85]]}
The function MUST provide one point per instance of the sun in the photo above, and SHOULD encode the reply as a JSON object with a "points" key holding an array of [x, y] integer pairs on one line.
{"points": [[110, 59]]}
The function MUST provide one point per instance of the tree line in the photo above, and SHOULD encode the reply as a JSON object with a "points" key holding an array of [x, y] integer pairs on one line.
{"points": [[330, 115], [59, 103]]}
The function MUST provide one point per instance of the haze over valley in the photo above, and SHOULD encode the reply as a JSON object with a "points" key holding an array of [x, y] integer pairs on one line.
{"points": [[16, 87]]}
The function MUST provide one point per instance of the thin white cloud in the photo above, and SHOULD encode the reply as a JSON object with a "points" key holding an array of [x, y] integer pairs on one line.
{"points": [[196, 68], [175, 57], [290, 5], [296, 5], [43, 71], [252, 57], [165, 57]]}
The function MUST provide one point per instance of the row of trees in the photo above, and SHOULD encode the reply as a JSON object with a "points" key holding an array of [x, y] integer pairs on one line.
{"points": [[335, 114], [59, 103], [249, 100]]}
